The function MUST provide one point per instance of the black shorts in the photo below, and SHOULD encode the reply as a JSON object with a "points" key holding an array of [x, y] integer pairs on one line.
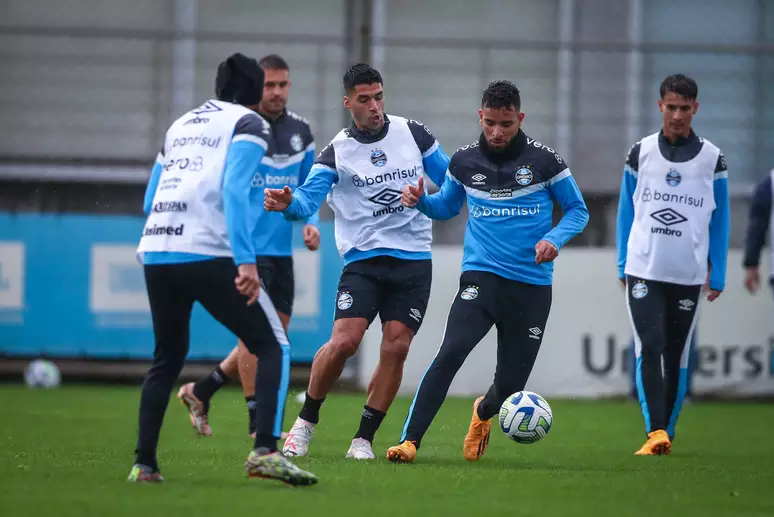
{"points": [[395, 289], [518, 310], [278, 280]]}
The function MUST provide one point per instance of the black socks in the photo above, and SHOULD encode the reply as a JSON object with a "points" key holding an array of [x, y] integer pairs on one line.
{"points": [[251, 405], [311, 410], [205, 388], [369, 423]]}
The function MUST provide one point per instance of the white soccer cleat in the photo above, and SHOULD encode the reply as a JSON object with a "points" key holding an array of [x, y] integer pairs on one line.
{"points": [[297, 442], [360, 450]]}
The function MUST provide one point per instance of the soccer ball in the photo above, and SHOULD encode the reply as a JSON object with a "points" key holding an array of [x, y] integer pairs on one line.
{"points": [[42, 374], [525, 417]]}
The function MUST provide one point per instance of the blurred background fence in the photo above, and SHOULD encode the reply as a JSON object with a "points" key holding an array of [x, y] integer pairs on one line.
{"points": [[88, 87]]}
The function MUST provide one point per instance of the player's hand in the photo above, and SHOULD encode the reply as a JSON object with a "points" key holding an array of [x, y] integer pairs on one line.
{"points": [[545, 252], [713, 295], [411, 194], [623, 282], [752, 279], [247, 282], [311, 237], [277, 200]]}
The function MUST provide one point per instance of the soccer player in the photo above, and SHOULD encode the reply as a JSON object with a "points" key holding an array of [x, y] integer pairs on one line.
{"points": [[759, 223], [510, 182], [287, 161], [386, 248], [673, 225], [196, 247]]}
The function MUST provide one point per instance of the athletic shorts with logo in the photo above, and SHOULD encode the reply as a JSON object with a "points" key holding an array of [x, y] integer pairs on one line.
{"points": [[395, 289]]}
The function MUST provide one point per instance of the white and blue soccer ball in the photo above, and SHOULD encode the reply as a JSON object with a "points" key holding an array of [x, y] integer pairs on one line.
{"points": [[41, 373], [525, 417]]}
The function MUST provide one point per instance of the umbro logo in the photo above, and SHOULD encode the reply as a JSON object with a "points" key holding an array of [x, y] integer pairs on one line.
{"points": [[207, 107], [415, 314], [534, 333], [385, 197], [668, 217], [686, 305], [478, 179]]}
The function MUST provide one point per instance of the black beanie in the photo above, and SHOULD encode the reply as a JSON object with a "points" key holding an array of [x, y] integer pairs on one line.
{"points": [[239, 80]]}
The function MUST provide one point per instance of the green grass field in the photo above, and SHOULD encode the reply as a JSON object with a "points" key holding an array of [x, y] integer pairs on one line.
{"points": [[67, 452]]}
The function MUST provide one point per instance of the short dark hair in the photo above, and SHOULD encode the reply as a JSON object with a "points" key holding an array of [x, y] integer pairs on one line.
{"points": [[361, 73], [501, 95], [273, 62], [681, 85]]}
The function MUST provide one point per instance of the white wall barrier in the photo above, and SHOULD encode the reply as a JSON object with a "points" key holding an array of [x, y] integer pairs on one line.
{"points": [[585, 347]]}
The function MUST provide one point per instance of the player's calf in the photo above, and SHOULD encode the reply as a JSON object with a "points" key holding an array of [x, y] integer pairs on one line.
{"points": [[383, 386], [388, 374], [327, 367]]}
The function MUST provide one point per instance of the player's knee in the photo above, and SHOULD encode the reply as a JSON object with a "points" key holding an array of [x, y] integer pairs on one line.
{"points": [[259, 345], [170, 355], [170, 364], [450, 356], [344, 346], [396, 350]]}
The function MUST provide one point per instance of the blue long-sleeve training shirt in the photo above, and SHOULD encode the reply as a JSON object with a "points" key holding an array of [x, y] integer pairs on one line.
{"points": [[288, 161], [683, 150], [242, 162], [758, 223], [510, 203]]}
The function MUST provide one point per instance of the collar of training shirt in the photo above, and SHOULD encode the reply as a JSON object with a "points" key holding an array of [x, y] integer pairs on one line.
{"points": [[364, 137], [681, 141], [683, 150], [279, 118], [512, 151]]}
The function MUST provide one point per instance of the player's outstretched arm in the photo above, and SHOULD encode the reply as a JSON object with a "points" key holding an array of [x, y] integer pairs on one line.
{"points": [[720, 227], [576, 215], [307, 199], [153, 183], [306, 168], [444, 204], [625, 217]]}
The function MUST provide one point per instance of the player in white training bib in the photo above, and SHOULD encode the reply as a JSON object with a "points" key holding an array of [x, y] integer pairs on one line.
{"points": [[673, 226], [288, 159], [385, 246], [196, 247]]}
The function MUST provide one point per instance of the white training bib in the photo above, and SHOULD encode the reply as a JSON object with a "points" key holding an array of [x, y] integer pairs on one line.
{"points": [[187, 213], [366, 198], [673, 205]]}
